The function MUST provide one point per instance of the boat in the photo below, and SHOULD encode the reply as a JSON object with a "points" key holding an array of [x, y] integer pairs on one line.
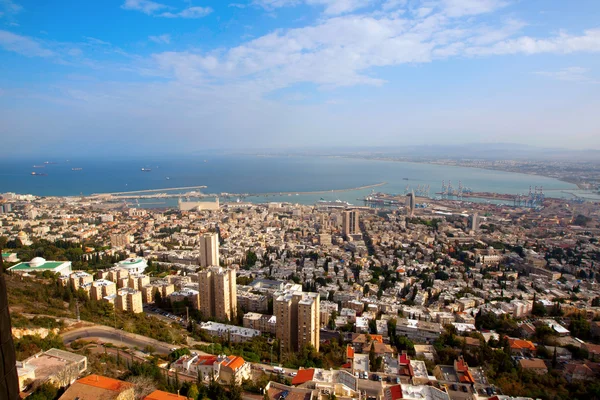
{"points": [[167, 178], [146, 170], [49, 162], [38, 174], [336, 203], [404, 179], [76, 169], [39, 166]]}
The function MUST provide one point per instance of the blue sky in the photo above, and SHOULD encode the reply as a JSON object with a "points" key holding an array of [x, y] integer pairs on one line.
{"points": [[175, 76]]}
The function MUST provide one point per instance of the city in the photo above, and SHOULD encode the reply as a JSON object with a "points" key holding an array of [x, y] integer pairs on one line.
{"points": [[443, 301]]}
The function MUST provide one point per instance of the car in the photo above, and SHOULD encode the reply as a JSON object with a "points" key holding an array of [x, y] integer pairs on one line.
{"points": [[464, 389], [454, 387], [292, 374], [397, 380]]}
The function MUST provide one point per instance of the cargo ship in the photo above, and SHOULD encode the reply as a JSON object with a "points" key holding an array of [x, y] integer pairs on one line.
{"points": [[76, 169], [146, 170], [335, 203], [38, 174]]}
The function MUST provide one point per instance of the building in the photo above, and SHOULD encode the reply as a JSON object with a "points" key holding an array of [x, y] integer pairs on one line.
{"points": [[99, 387], [252, 302], [233, 370], [162, 286], [218, 290], [78, 279], [209, 250], [261, 322], [233, 333], [133, 265], [121, 240], [38, 264], [418, 331], [192, 296], [56, 366], [102, 288], [534, 364], [298, 319], [9, 383], [129, 300], [160, 395], [350, 224], [474, 222], [411, 202]]}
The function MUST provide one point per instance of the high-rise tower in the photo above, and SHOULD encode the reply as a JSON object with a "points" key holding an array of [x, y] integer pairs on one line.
{"points": [[209, 250], [218, 293]]}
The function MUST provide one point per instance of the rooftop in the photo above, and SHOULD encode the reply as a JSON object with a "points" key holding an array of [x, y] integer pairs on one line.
{"points": [[37, 264]]}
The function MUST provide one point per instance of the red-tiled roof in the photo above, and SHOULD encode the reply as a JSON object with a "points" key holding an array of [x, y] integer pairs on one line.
{"points": [[349, 351], [233, 362], [103, 382], [304, 375], [404, 359], [521, 344], [395, 392], [160, 395], [206, 360]]}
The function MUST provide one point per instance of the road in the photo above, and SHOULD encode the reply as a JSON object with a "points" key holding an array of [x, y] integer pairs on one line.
{"points": [[117, 337]]}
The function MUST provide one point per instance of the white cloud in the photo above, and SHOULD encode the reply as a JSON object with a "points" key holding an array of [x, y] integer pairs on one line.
{"points": [[93, 40], [569, 74], [459, 8], [23, 45], [9, 8], [161, 39], [146, 6], [158, 9], [331, 7], [563, 43], [190, 12]]}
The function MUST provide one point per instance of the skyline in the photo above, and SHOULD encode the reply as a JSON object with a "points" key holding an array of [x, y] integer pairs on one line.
{"points": [[145, 77]]}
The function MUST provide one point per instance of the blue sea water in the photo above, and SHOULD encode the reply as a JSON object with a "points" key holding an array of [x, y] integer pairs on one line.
{"points": [[255, 174]]}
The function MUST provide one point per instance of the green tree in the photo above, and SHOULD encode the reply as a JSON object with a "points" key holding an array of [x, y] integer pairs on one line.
{"points": [[193, 392]]}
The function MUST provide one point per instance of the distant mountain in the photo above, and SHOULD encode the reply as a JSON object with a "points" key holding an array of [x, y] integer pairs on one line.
{"points": [[487, 151]]}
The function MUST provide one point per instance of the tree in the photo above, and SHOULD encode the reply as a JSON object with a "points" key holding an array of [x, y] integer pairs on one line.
{"points": [[193, 392]]}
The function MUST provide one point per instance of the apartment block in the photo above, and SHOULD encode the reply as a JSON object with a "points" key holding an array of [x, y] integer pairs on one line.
{"points": [[298, 319], [102, 288], [209, 250], [218, 290], [129, 300]]}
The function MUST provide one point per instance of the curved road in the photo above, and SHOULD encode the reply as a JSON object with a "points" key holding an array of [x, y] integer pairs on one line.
{"points": [[116, 337]]}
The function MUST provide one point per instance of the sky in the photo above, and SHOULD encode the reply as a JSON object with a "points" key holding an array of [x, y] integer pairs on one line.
{"points": [[181, 76]]}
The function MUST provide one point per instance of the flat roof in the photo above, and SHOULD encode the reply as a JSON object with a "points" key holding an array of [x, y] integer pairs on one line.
{"points": [[25, 266]]}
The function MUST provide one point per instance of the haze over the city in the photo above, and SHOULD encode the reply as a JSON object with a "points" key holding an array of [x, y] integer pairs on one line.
{"points": [[141, 76]]}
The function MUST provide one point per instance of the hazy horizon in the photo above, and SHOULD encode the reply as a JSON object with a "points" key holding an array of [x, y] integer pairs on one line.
{"points": [[135, 77]]}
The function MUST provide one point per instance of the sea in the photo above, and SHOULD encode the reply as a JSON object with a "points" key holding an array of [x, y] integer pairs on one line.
{"points": [[252, 174]]}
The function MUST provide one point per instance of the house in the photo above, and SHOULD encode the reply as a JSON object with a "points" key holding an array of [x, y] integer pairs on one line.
{"points": [[233, 369], [359, 341], [520, 347], [94, 387], [380, 349], [57, 366], [535, 365], [578, 372], [472, 343], [160, 395], [593, 349], [303, 376]]}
